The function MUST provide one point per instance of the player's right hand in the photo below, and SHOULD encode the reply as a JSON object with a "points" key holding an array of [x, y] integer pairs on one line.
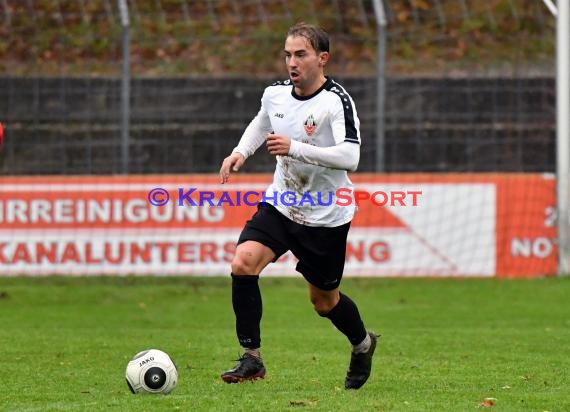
{"points": [[232, 163]]}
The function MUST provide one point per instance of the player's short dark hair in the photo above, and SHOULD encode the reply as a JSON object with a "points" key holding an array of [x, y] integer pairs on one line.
{"points": [[317, 37]]}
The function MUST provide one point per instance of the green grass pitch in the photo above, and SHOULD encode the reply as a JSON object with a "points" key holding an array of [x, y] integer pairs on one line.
{"points": [[446, 345]]}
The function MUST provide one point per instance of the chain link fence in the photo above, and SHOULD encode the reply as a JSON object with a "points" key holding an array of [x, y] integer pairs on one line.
{"points": [[469, 84]]}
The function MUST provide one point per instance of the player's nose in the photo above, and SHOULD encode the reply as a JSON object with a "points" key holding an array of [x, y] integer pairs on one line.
{"points": [[292, 62]]}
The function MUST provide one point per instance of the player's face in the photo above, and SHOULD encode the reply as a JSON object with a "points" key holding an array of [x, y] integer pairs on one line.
{"points": [[305, 65]]}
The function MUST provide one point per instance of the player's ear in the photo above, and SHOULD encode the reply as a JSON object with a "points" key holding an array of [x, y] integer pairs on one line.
{"points": [[323, 58]]}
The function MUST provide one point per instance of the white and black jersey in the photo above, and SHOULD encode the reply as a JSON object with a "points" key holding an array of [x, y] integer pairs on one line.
{"points": [[325, 143]]}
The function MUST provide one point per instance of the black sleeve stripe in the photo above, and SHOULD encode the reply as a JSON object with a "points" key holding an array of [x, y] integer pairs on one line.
{"points": [[351, 134]]}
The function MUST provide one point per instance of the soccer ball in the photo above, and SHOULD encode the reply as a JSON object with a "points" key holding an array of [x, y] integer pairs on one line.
{"points": [[151, 371]]}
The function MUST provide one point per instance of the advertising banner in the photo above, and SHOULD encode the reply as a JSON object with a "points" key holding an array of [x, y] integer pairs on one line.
{"points": [[406, 225]]}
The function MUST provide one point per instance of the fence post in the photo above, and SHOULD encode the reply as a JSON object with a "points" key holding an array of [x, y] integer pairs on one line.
{"points": [[562, 134], [381, 32], [125, 85]]}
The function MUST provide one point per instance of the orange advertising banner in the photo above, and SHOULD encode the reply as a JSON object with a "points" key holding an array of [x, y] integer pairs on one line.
{"points": [[406, 225]]}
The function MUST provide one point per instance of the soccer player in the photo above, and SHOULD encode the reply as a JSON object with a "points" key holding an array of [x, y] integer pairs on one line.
{"points": [[309, 123]]}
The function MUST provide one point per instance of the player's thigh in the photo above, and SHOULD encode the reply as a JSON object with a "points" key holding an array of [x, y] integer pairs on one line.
{"points": [[251, 258]]}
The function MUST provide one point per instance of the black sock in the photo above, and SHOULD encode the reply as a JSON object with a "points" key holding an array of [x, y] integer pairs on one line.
{"points": [[346, 318], [246, 300]]}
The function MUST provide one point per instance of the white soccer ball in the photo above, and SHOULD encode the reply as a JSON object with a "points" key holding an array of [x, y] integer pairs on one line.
{"points": [[151, 371]]}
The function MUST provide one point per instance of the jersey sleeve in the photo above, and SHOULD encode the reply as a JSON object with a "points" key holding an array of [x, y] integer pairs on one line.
{"points": [[343, 156], [255, 133], [344, 120]]}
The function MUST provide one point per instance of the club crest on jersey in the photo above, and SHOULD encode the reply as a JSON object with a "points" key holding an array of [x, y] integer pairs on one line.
{"points": [[310, 125]]}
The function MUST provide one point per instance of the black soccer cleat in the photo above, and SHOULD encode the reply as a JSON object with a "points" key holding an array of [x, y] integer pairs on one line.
{"points": [[248, 368], [360, 366]]}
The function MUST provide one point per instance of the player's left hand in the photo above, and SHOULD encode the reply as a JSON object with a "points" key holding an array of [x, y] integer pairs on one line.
{"points": [[278, 145]]}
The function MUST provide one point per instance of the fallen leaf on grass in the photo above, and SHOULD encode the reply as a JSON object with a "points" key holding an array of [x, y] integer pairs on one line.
{"points": [[302, 403], [488, 403]]}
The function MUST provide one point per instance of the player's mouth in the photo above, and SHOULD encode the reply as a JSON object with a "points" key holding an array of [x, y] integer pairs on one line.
{"points": [[294, 76]]}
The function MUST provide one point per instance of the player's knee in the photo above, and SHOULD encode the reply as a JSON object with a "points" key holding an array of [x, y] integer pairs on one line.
{"points": [[322, 306], [244, 265], [324, 301]]}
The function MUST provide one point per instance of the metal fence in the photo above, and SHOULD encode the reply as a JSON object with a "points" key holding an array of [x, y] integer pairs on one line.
{"points": [[469, 85]]}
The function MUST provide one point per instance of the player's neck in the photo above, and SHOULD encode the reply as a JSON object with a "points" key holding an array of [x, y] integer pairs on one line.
{"points": [[316, 85]]}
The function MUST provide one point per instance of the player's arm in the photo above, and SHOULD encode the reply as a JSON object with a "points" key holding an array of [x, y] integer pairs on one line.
{"points": [[252, 138], [344, 156]]}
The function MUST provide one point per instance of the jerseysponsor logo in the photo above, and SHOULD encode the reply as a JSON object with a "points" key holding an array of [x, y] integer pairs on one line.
{"points": [[310, 125], [279, 115]]}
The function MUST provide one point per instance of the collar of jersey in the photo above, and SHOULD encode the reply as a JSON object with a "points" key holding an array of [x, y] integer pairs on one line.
{"points": [[325, 84]]}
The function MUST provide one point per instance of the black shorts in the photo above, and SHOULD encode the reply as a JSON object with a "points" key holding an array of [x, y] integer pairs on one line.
{"points": [[321, 250]]}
